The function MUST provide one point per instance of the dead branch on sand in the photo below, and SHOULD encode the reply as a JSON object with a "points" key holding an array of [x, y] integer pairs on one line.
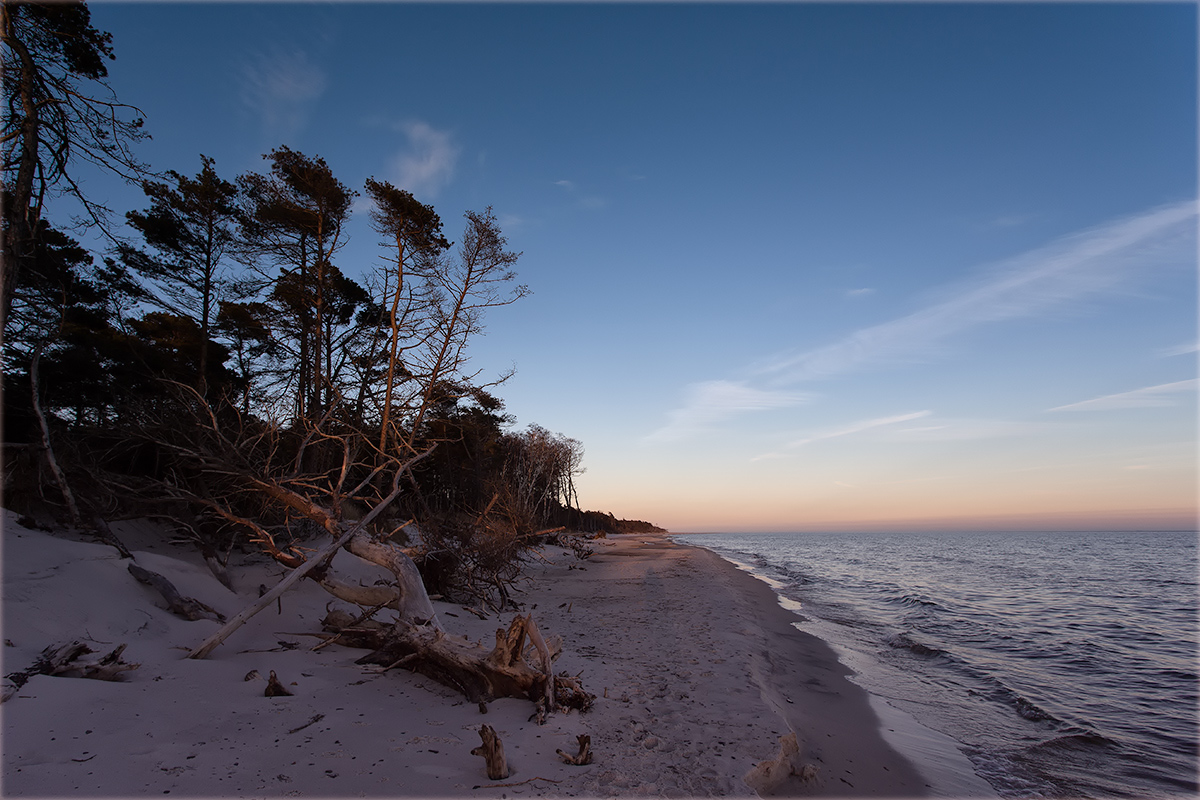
{"points": [[62, 661]]}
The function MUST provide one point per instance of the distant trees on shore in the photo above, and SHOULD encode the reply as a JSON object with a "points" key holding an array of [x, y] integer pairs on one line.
{"points": [[219, 369]]}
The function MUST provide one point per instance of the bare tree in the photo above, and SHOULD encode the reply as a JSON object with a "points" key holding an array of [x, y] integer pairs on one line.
{"points": [[538, 473], [478, 278]]}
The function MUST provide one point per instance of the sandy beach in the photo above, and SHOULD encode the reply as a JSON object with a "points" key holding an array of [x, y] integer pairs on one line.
{"points": [[697, 670]]}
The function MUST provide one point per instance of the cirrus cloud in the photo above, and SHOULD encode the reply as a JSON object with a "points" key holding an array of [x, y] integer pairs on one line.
{"points": [[711, 402], [1072, 268], [427, 163], [1147, 397], [282, 87]]}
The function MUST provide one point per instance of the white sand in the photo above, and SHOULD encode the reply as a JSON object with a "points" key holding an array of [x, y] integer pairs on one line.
{"points": [[697, 669]]}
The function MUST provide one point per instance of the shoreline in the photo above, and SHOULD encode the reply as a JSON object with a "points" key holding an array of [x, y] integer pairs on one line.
{"points": [[697, 669], [936, 756]]}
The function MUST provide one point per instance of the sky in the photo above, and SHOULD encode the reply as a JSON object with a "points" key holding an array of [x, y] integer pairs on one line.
{"points": [[793, 266]]}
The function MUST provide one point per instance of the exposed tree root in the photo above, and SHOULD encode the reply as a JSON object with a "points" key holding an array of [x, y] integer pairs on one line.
{"points": [[186, 607], [584, 756]]}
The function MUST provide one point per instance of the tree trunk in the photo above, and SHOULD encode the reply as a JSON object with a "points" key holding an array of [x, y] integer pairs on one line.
{"points": [[395, 345], [413, 601], [22, 212], [59, 477]]}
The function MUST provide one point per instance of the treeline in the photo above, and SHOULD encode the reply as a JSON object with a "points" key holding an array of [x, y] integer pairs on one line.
{"points": [[219, 368], [604, 523]]}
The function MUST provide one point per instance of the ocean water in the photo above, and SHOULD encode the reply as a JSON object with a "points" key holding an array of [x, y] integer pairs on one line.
{"points": [[1060, 664]]}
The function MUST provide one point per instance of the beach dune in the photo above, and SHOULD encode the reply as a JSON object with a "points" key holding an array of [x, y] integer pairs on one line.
{"points": [[698, 672]]}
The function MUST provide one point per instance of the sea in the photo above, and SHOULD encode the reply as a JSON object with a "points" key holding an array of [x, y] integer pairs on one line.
{"points": [[1059, 664]]}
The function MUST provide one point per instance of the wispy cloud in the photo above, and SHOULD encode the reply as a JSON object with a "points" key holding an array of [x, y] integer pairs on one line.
{"points": [[510, 221], [1148, 397], [1072, 268], [859, 292], [860, 426], [589, 201], [854, 428], [711, 402], [1009, 221], [427, 162], [1184, 349], [282, 87], [966, 429]]}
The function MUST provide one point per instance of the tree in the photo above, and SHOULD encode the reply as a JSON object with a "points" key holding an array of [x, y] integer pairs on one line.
{"points": [[462, 288], [538, 476], [294, 221], [58, 112], [171, 342], [244, 326], [70, 308], [415, 230], [191, 225]]}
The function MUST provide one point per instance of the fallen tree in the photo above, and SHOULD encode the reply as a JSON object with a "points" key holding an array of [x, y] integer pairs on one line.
{"points": [[412, 599], [482, 675], [519, 665]]}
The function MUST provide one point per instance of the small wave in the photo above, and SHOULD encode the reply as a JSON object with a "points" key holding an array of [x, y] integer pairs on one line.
{"points": [[1030, 710], [1076, 740], [917, 600], [902, 641]]}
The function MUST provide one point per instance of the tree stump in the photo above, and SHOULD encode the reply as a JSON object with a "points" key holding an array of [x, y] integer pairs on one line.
{"points": [[492, 751]]}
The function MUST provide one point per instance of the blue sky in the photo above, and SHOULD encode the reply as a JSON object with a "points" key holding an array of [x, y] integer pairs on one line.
{"points": [[794, 266]]}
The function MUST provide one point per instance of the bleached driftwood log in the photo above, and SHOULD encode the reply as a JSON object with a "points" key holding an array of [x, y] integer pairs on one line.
{"points": [[418, 605], [412, 601], [480, 674]]}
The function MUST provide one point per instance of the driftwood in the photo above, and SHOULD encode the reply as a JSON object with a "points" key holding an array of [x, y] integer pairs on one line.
{"points": [[480, 674], [569, 693], [414, 601], [360, 632], [584, 756], [411, 599], [766, 776], [275, 688], [380, 596], [492, 751], [62, 661], [186, 607], [539, 644], [106, 535]]}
